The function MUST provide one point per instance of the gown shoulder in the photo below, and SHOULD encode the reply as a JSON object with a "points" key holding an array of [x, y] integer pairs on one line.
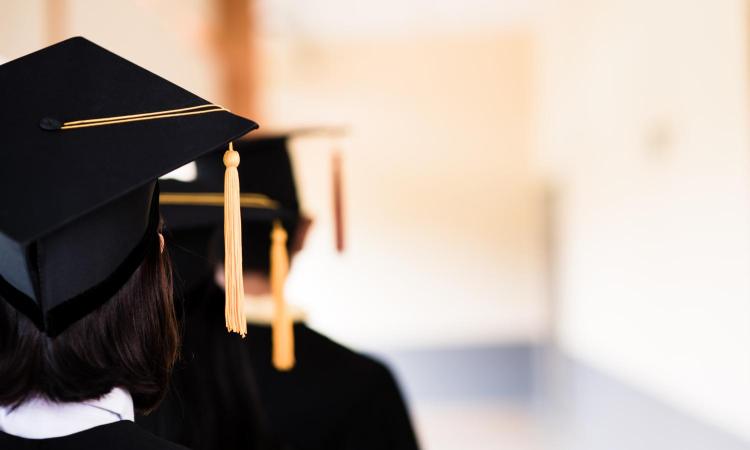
{"points": [[122, 435], [334, 397]]}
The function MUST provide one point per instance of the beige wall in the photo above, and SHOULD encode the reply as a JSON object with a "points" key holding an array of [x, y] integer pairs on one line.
{"points": [[443, 209], [168, 37], [21, 27], [644, 127]]}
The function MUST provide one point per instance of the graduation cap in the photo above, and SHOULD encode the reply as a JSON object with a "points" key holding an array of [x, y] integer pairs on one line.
{"points": [[268, 194], [333, 133], [85, 135], [267, 186], [192, 200]]}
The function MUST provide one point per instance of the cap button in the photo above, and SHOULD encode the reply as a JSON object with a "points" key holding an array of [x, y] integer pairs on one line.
{"points": [[50, 124]]}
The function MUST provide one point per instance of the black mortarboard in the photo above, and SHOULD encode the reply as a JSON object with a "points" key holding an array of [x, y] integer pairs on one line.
{"points": [[269, 194], [85, 134], [266, 182], [192, 213]]}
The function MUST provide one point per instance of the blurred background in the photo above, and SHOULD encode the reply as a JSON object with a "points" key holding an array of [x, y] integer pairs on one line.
{"points": [[547, 202]]}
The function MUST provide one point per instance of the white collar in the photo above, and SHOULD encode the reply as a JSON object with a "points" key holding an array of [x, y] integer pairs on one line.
{"points": [[39, 418]]}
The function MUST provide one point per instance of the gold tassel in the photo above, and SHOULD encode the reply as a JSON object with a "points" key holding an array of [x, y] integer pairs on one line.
{"points": [[234, 308], [282, 326]]}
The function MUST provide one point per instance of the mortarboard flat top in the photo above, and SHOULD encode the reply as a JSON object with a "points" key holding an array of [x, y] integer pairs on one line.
{"points": [[74, 80], [75, 203]]}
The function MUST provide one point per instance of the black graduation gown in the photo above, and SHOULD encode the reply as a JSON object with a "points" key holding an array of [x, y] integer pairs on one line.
{"points": [[213, 401], [334, 398], [122, 435]]}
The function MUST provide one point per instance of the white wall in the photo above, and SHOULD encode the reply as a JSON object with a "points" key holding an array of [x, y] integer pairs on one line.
{"points": [[644, 127], [443, 210]]}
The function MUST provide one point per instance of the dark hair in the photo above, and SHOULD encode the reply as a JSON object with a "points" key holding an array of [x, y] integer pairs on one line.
{"points": [[131, 341]]}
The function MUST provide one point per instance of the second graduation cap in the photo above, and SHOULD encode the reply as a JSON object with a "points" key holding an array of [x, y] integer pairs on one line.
{"points": [[85, 135], [268, 194]]}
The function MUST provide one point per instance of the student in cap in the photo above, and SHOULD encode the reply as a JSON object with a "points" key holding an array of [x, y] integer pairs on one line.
{"points": [[87, 323], [315, 393]]}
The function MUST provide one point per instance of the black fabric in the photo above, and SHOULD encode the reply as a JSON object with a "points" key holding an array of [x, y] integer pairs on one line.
{"points": [[256, 245], [64, 314], [333, 399], [77, 79], [21, 303], [213, 402], [265, 168], [123, 435], [109, 280], [75, 204], [190, 264]]}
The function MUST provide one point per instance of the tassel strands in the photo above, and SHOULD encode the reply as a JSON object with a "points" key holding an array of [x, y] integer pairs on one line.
{"points": [[234, 309], [282, 326]]}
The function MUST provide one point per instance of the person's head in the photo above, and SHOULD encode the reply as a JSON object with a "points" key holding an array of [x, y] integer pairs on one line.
{"points": [[130, 341], [86, 302], [256, 244]]}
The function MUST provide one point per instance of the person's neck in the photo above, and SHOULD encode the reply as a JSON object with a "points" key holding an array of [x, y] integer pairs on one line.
{"points": [[259, 303], [256, 283]]}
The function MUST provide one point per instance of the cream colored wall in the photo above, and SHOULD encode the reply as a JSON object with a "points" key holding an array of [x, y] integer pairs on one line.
{"points": [[644, 126], [21, 27], [443, 209], [168, 37]]}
